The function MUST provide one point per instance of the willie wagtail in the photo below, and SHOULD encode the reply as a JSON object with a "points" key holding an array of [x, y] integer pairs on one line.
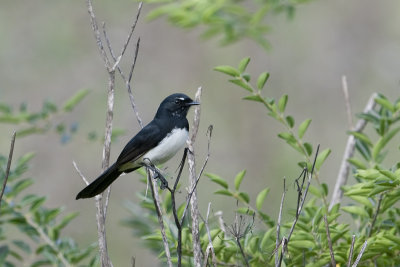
{"points": [[156, 143]]}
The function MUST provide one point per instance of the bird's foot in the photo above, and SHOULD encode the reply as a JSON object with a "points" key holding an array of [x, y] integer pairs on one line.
{"points": [[157, 174]]}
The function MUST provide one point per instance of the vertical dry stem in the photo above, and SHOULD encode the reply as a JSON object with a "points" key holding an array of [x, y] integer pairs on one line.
{"points": [[192, 183]]}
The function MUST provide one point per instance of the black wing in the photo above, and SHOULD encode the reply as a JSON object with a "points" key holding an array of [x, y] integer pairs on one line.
{"points": [[146, 139]]}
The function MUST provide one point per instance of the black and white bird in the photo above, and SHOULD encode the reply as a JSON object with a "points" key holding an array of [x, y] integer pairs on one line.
{"points": [[156, 143]]}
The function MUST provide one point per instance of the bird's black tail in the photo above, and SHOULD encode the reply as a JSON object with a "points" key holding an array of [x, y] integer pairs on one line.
{"points": [[101, 183]]}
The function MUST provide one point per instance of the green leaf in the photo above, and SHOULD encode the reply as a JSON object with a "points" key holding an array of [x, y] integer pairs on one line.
{"points": [[362, 137], [260, 198], [244, 197], [217, 179], [243, 64], [238, 179], [356, 210], [266, 240], [241, 83], [308, 148], [282, 103], [256, 98], [23, 246], [290, 121], [383, 141], [37, 203], [262, 79], [224, 192], [19, 186], [288, 137], [357, 163], [321, 158], [71, 103], [301, 244], [303, 128], [385, 103], [231, 71], [4, 250], [64, 222]]}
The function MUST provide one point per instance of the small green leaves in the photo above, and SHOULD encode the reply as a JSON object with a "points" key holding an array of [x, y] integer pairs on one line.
{"points": [[71, 103], [321, 158], [261, 197], [290, 121], [240, 82], [217, 179], [282, 103], [238, 179], [231, 71], [303, 128], [381, 100], [382, 142], [262, 79], [243, 64]]}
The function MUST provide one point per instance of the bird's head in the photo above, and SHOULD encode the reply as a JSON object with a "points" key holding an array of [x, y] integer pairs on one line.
{"points": [[176, 105]]}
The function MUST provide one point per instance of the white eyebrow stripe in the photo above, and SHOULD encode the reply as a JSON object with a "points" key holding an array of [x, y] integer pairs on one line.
{"points": [[181, 98]]}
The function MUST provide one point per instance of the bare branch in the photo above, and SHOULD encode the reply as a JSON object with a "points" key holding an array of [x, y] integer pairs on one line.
{"points": [[343, 174], [210, 246], [192, 182], [97, 35], [209, 133], [10, 155], [345, 89], [80, 173], [360, 254], [300, 204], [353, 240], [328, 235], [157, 205], [375, 215], [278, 226]]}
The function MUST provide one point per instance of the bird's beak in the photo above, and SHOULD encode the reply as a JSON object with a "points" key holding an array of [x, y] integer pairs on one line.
{"points": [[193, 103]]}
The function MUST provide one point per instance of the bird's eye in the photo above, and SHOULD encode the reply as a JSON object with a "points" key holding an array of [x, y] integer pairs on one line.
{"points": [[179, 100]]}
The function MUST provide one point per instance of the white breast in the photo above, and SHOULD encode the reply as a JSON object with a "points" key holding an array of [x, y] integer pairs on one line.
{"points": [[168, 147]]}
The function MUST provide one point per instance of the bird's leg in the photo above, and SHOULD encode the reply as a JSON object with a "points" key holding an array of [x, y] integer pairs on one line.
{"points": [[148, 164]]}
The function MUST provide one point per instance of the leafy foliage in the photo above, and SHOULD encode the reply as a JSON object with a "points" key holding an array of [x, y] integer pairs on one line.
{"points": [[373, 200], [233, 20], [41, 241], [42, 121]]}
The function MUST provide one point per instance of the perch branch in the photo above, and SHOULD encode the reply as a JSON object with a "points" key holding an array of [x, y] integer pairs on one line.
{"points": [[345, 89], [192, 181]]}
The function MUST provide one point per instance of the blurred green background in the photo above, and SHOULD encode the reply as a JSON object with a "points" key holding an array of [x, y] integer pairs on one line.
{"points": [[47, 51]]}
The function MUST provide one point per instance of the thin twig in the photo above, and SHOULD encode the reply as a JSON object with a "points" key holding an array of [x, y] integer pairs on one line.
{"points": [[343, 174], [360, 254], [345, 89], [157, 205], [174, 211], [80, 173], [328, 235], [236, 231], [210, 246], [97, 35], [10, 155], [192, 183], [376, 214], [353, 240], [300, 206], [209, 133], [278, 226], [117, 59]]}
